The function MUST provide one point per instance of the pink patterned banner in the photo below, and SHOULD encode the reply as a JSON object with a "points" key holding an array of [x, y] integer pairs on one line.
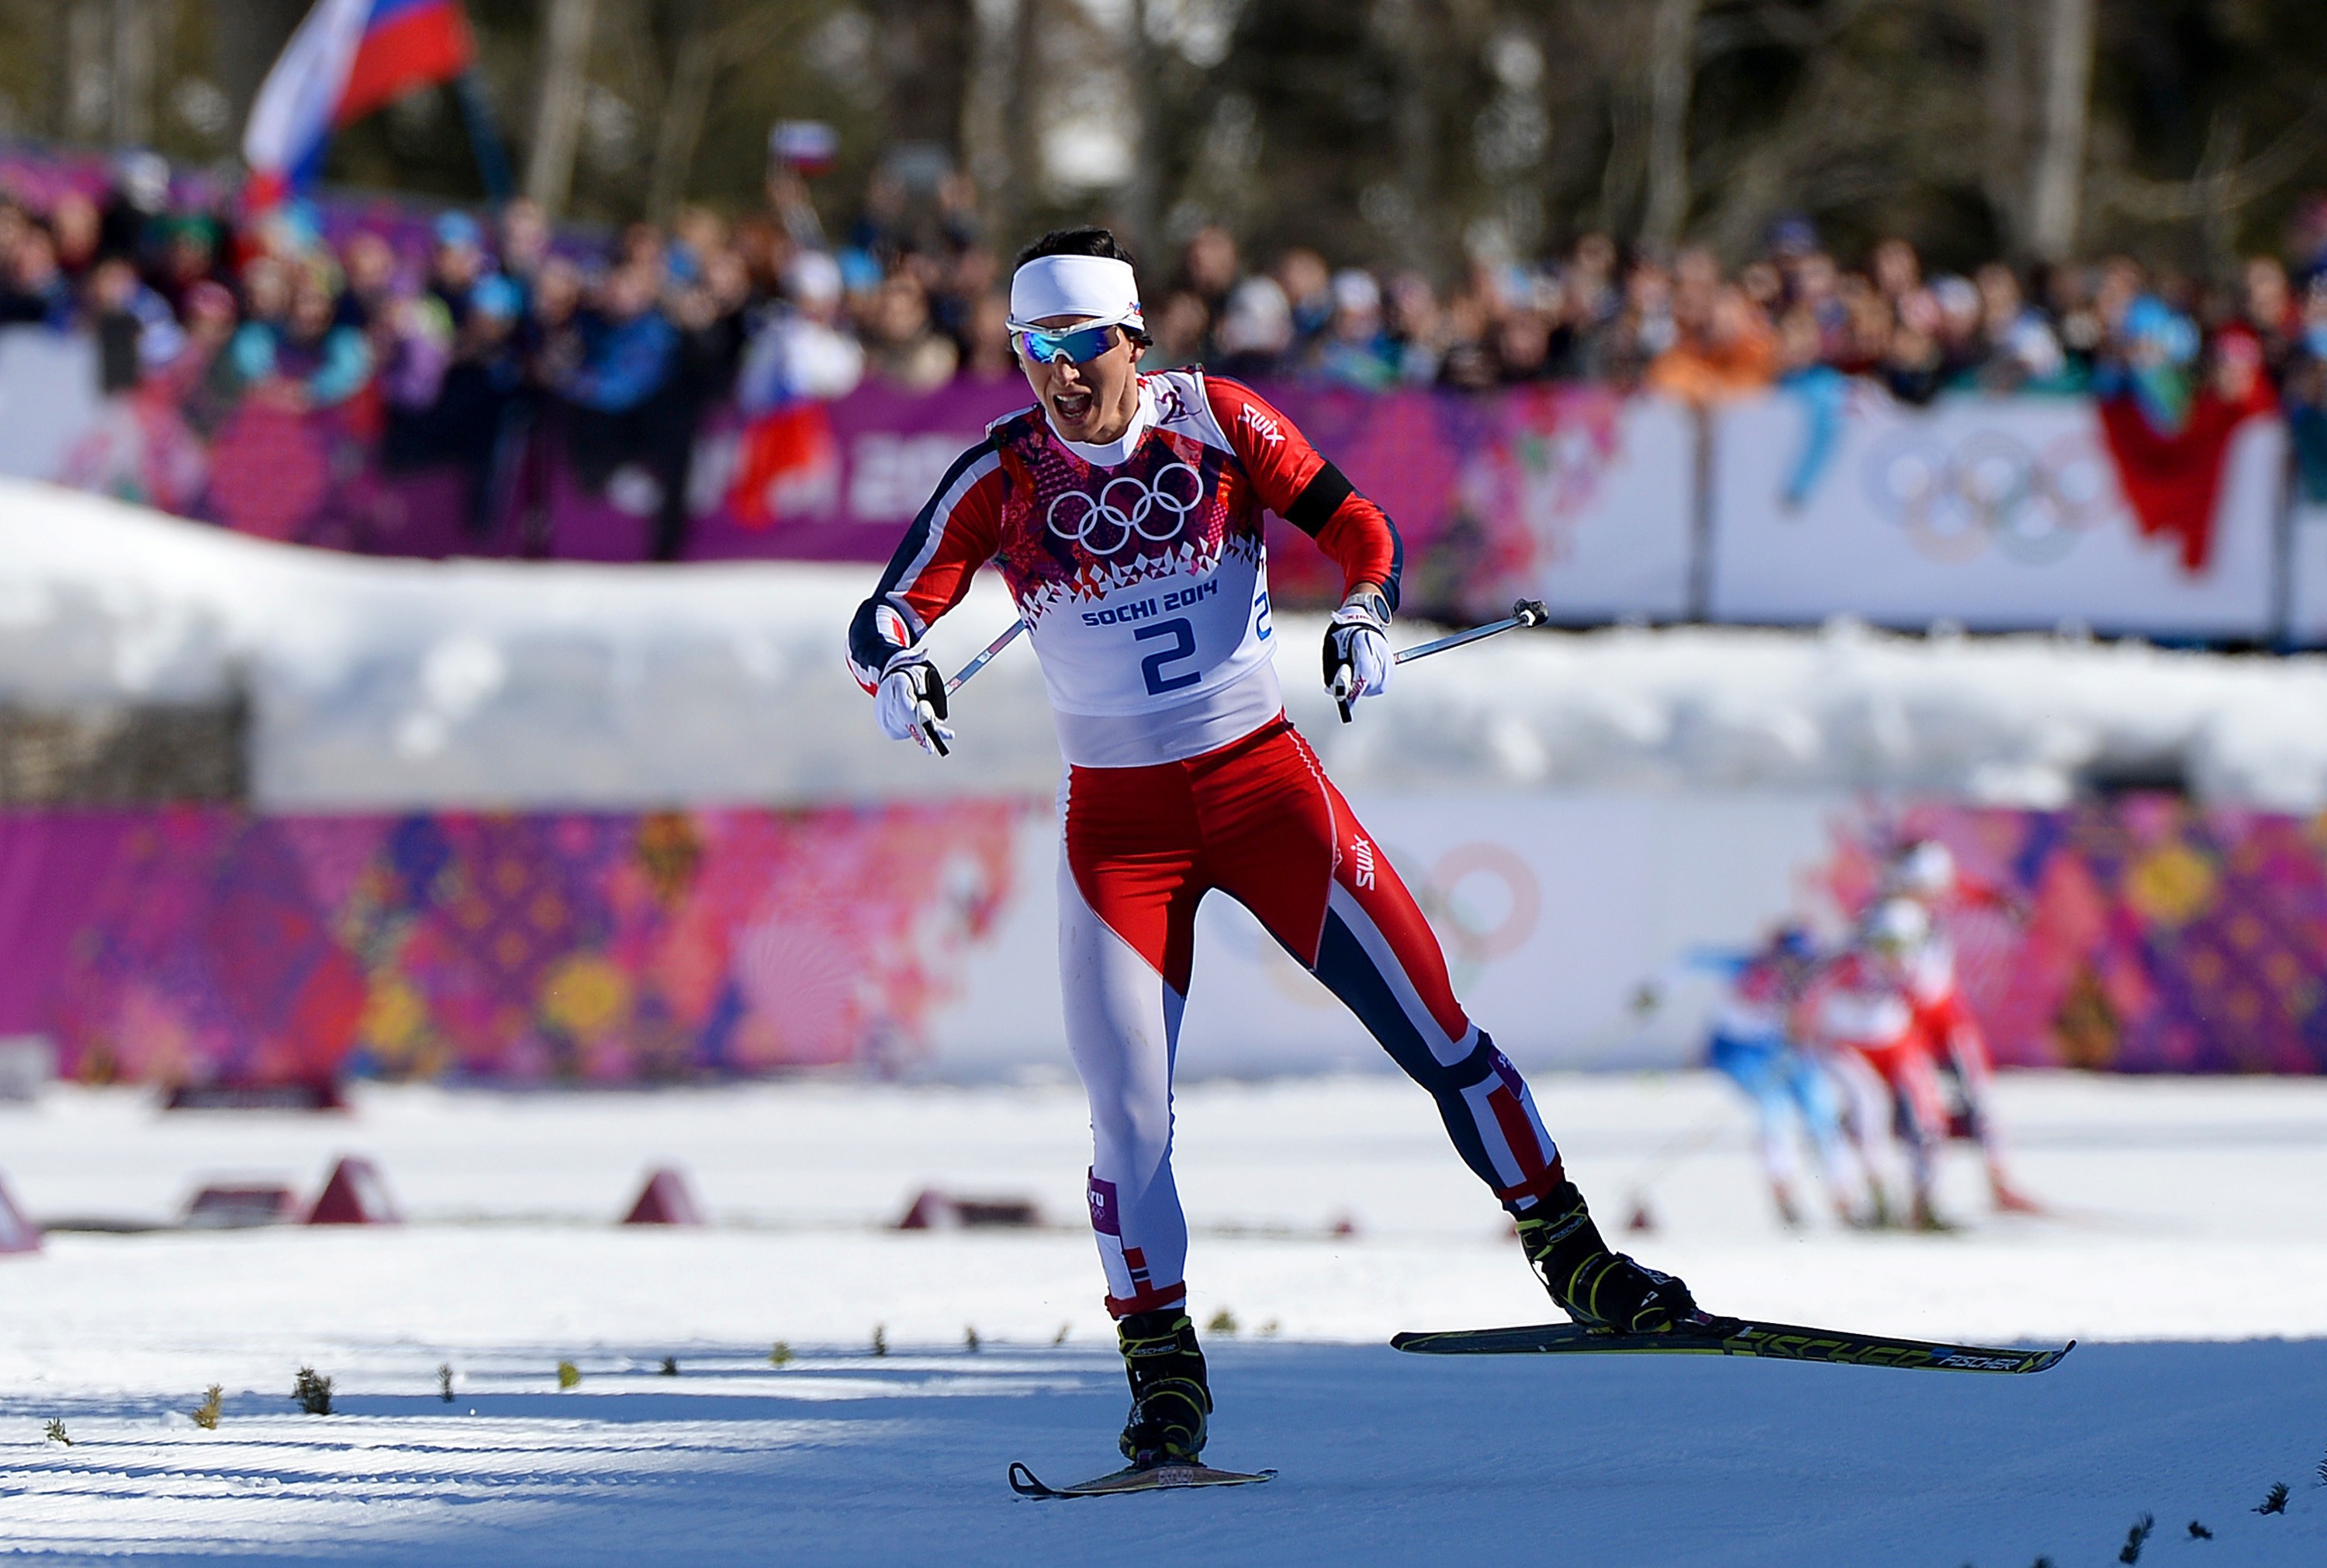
{"points": [[2155, 936], [211, 945]]}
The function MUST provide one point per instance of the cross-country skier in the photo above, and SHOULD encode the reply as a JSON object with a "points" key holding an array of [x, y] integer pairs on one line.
{"points": [[1753, 1042], [1861, 1004], [1124, 511], [1925, 872]]}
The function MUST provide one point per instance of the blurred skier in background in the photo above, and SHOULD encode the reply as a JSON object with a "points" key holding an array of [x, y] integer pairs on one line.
{"points": [[1753, 1042], [1862, 1007], [1925, 873]]}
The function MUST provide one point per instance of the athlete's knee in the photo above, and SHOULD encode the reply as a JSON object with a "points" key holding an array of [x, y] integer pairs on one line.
{"points": [[1453, 1080], [1131, 1132]]}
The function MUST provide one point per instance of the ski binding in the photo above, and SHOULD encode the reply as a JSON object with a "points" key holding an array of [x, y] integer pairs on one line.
{"points": [[1132, 1478], [1736, 1337]]}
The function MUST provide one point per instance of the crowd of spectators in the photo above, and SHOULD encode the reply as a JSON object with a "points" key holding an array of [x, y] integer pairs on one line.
{"points": [[457, 331], [1687, 329]]}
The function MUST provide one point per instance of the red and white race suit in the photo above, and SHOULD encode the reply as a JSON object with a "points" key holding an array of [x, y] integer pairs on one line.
{"points": [[1861, 1002], [1140, 571], [1941, 1010]]}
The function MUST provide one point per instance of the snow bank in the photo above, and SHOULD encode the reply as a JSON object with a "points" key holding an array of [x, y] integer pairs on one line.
{"points": [[2005, 721], [2187, 1210], [392, 685]]}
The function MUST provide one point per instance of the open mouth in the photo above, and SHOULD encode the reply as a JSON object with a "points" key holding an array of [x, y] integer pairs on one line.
{"points": [[1072, 408]]}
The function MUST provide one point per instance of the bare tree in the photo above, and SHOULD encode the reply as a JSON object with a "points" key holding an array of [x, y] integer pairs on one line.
{"points": [[2004, 169], [1672, 77], [557, 102], [2056, 193], [694, 67], [244, 37], [1143, 194], [130, 79], [89, 80], [1024, 143], [1878, 115], [986, 132], [712, 41], [925, 48]]}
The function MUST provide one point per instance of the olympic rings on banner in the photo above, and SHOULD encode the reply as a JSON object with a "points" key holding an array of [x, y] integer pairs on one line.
{"points": [[1988, 487], [1120, 512], [1523, 901]]}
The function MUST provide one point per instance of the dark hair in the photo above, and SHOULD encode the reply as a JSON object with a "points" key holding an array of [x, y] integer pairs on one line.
{"points": [[1089, 239]]}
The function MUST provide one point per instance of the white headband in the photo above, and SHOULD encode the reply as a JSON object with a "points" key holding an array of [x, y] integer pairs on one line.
{"points": [[1092, 286]]}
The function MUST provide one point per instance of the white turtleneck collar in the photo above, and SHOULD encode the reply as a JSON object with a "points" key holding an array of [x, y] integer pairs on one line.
{"points": [[1116, 452]]}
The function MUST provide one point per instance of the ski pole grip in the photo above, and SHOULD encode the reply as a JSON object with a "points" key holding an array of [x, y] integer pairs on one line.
{"points": [[928, 716], [1341, 692]]}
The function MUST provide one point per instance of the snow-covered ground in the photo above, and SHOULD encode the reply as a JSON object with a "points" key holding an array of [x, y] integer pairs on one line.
{"points": [[395, 685], [2190, 1254]]}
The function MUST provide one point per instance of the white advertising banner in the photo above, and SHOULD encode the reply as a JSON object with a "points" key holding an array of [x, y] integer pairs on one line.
{"points": [[1997, 513], [2307, 597], [1611, 527], [48, 399], [1552, 910]]}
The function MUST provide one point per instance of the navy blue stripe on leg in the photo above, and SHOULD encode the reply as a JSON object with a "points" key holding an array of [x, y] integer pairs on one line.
{"points": [[1347, 970]]}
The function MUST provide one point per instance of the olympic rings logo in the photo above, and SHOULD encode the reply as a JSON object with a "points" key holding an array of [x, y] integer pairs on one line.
{"points": [[1482, 899], [1479, 935], [1120, 512], [1990, 486]]}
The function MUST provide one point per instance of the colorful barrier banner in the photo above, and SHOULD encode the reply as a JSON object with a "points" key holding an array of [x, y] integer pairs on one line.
{"points": [[1996, 513], [1572, 495], [2140, 935], [207, 944], [2153, 935]]}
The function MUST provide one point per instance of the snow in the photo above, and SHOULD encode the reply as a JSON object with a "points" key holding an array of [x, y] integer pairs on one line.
{"points": [[404, 684], [2189, 1255]]}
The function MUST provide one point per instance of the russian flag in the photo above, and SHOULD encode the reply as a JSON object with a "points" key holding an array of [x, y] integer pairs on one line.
{"points": [[347, 58]]}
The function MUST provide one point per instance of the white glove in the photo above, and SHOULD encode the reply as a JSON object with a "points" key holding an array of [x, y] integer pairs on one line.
{"points": [[1358, 662], [911, 702]]}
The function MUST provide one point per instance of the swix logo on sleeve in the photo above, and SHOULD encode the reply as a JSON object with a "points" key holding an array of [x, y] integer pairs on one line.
{"points": [[1262, 425], [1363, 854]]}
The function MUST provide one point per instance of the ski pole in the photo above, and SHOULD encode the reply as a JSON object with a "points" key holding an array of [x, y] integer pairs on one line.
{"points": [[986, 657], [1525, 613], [928, 715]]}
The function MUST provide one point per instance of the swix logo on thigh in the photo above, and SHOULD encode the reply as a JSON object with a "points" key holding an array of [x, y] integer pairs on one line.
{"points": [[1362, 853]]}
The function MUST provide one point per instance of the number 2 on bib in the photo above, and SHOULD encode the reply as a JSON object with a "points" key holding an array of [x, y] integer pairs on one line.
{"points": [[1183, 645]]}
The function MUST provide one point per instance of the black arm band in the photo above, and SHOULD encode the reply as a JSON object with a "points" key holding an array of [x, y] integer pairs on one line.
{"points": [[1319, 500]]}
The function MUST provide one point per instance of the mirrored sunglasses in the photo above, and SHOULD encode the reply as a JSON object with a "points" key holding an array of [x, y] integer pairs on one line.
{"points": [[1075, 345]]}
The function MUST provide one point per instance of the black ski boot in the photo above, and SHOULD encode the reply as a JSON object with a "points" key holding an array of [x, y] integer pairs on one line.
{"points": [[1598, 1288], [1169, 1395]]}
